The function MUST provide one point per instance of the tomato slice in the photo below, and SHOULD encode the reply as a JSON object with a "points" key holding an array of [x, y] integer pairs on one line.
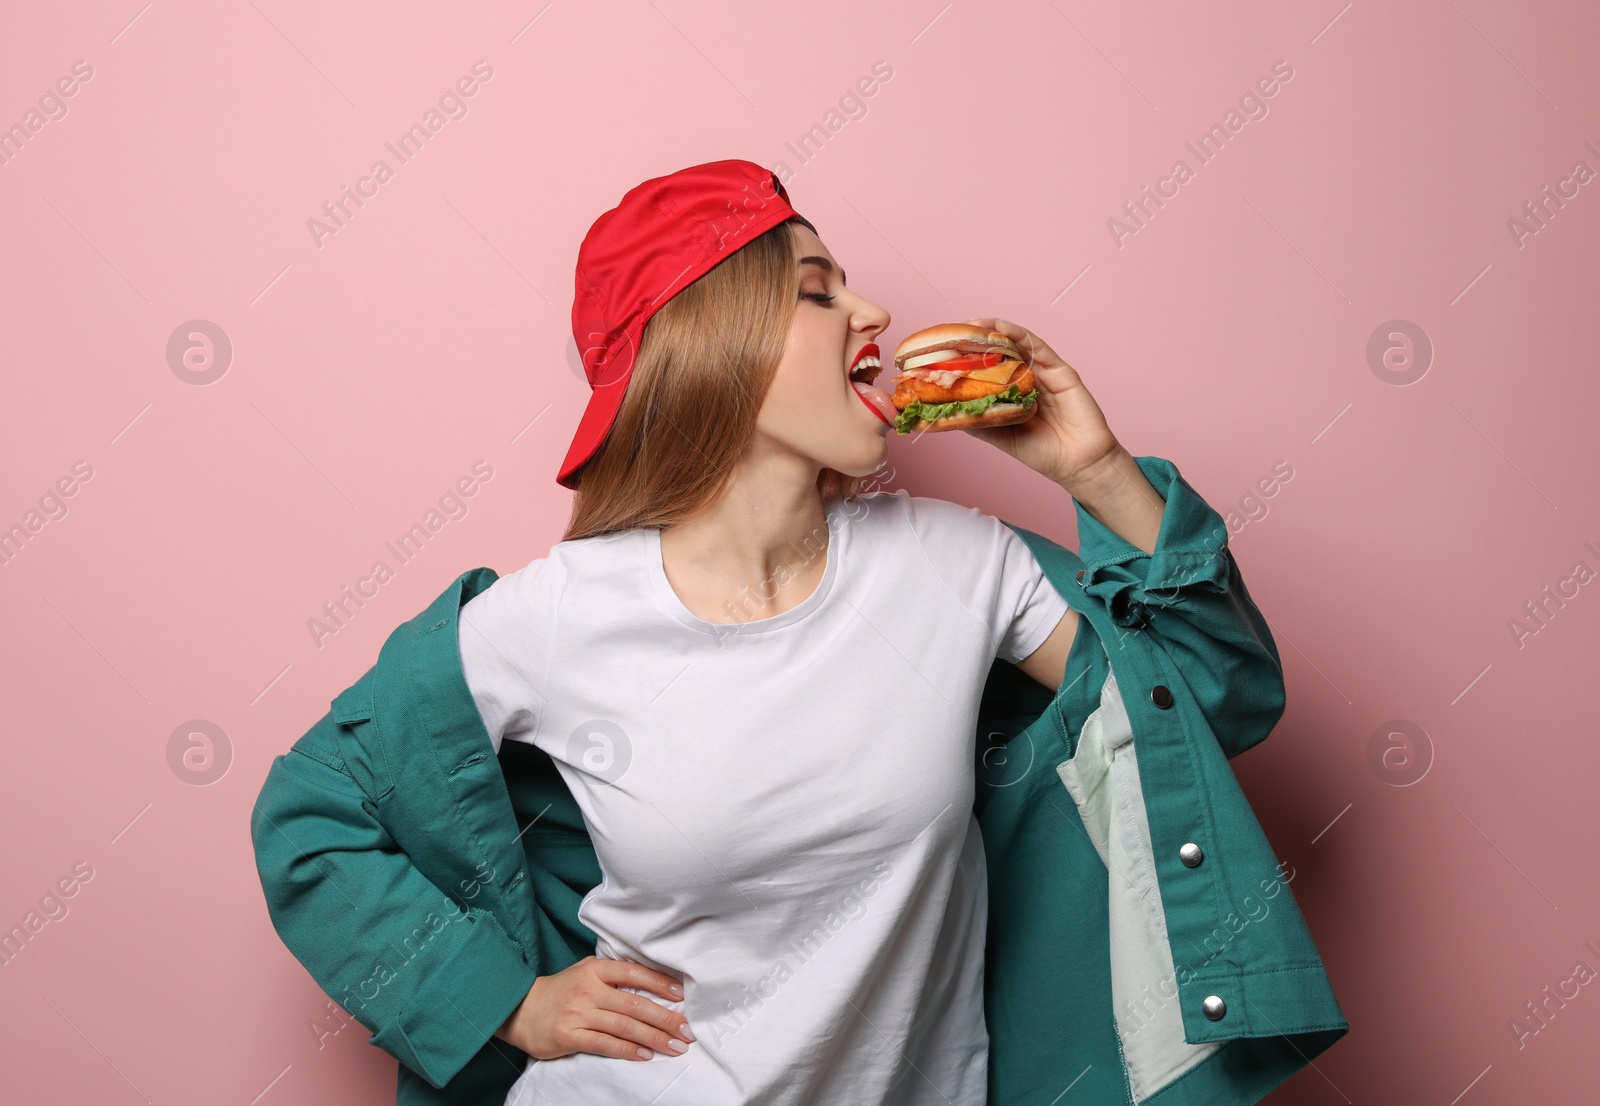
{"points": [[968, 362]]}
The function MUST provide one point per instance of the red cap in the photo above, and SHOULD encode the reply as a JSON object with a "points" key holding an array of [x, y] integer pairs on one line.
{"points": [[665, 234]]}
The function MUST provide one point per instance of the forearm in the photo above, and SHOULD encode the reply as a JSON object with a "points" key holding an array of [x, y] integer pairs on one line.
{"points": [[1120, 497], [1167, 570]]}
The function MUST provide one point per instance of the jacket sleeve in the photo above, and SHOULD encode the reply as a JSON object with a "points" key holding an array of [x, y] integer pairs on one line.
{"points": [[428, 973], [1189, 592]]}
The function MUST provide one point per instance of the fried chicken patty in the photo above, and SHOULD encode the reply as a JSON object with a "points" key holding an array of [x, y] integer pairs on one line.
{"points": [[908, 389]]}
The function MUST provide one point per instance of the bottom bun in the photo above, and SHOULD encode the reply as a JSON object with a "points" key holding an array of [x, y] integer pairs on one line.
{"points": [[996, 414]]}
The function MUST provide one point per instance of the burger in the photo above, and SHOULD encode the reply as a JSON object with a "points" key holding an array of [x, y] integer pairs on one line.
{"points": [[958, 375]]}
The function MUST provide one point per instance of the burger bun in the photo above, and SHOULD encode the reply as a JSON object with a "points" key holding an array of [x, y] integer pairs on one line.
{"points": [[965, 337]]}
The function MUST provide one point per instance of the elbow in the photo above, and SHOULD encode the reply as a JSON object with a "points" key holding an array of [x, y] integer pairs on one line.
{"points": [[1250, 714]]}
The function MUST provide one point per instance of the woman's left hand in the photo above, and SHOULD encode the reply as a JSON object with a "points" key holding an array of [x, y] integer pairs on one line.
{"points": [[1067, 435]]}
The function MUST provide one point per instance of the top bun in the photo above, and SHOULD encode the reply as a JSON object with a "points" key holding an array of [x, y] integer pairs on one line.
{"points": [[966, 337]]}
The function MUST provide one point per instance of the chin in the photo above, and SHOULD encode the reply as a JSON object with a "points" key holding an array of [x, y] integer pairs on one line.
{"points": [[861, 460]]}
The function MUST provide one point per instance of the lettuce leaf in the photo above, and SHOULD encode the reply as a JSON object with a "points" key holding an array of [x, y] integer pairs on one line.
{"points": [[917, 410]]}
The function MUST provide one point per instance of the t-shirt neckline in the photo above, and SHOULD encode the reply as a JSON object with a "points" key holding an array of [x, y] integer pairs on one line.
{"points": [[671, 605]]}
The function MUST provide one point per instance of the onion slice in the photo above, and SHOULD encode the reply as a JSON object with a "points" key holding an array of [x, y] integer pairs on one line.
{"points": [[933, 358]]}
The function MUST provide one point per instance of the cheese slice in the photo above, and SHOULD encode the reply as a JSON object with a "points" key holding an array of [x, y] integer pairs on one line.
{"points": [[997, 375]]}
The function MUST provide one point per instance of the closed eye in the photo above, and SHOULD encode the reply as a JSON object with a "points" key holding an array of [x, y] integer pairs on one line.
{"points": [[818, 297]]}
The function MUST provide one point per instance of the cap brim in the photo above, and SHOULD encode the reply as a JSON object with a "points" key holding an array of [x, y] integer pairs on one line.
{"points": [[604, 403]]}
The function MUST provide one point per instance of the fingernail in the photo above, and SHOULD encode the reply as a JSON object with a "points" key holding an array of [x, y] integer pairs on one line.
{"points": [[687, 1032], [675, 988], [677, 1046], [645, 1053]]}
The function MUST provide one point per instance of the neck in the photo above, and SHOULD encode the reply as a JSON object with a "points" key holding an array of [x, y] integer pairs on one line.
{"points": [[759, 550]]}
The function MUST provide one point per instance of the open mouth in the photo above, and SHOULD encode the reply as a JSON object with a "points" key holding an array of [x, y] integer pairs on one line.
{"points": [[866, 367], [862, 372]]}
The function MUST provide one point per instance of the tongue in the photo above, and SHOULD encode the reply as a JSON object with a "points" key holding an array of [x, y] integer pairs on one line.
{"points": [[877, 400]]}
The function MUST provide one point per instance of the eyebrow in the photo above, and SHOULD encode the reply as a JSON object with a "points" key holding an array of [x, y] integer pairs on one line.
{"points": [[828, 266]]}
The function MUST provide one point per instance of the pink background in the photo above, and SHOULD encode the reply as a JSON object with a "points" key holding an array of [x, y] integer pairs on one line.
{"points": [[210, 523]]}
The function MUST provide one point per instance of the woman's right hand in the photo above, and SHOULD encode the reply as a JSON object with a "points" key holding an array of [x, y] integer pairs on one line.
{"points": [[582, 1009]]}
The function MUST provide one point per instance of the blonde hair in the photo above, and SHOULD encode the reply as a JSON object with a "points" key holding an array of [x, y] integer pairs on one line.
{"points": [[706, 359]]}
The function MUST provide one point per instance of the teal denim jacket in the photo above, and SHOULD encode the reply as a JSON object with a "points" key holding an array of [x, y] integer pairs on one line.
{"points": [[1144, 945]]}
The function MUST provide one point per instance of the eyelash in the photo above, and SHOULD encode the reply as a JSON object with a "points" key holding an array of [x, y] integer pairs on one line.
{"points": [[817, 297]]}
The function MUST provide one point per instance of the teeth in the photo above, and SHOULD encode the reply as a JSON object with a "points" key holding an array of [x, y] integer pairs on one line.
{"points": [[868, 362]]}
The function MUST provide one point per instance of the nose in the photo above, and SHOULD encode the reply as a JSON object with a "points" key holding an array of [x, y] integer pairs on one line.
{"points": [[872, 319]]}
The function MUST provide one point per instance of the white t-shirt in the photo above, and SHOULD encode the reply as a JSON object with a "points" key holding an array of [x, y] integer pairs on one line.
{"points": [[781, 809]]}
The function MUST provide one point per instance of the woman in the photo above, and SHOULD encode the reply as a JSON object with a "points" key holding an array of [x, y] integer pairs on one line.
{"points": [[751, 772], [734, 712]]}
